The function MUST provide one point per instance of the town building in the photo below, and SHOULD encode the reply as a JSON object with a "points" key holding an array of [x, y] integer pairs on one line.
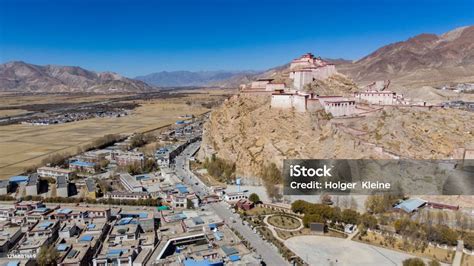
{"points": [[54, 172], [90, 189], [410, 205], [119, 195], [234, 197], [128, 158], [18, 179], [84, 167], [62, 187], [130, 183], [4, 187], [9, 236], [32, 186], [244, 204]]}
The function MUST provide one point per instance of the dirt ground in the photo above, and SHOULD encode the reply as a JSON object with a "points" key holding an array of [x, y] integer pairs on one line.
{"points": [[22, 146]]}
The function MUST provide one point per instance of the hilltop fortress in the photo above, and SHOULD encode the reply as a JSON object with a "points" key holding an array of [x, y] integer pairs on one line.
{"points": [[305, 70]]}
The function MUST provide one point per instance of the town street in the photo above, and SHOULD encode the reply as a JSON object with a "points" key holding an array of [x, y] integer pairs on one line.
{"points": [[268, 252]]}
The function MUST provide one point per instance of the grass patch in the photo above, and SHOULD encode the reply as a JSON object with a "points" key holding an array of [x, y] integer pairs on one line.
{"points": [[284, 222]]}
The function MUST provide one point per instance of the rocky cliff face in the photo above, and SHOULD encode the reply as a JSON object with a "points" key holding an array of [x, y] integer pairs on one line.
{"points": [[24, 77], [245, 130]]}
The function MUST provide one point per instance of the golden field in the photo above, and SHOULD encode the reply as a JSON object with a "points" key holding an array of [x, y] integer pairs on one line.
{"points": [[22, 146]]}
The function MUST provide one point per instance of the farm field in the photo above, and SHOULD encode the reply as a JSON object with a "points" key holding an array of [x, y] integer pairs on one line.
{"points": [[22, 146]]}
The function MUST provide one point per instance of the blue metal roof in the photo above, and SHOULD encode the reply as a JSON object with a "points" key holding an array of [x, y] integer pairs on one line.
{"points": [[62, 247], [45, 225], [124, 221], [228, 250], [182, 188], [86, 238], [206, 262], [212, 226], [42, 209], [218, 235], [234, 257], [18, 179], [410, 205], [90, 226], [13, 263], [82, 164], [64, 211], [115, 252]]}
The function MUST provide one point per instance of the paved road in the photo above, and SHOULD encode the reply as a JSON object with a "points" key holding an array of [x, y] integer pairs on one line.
{"points": [[268, 252]]}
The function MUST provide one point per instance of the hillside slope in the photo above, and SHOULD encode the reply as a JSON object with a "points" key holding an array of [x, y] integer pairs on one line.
{"points": [[24, 77], [426, 59], [245, 130]]}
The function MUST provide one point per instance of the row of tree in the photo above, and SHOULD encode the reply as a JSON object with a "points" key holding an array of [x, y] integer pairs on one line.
{"points": [[220, 169], [321, 213], [139, 202], [415, 231]]}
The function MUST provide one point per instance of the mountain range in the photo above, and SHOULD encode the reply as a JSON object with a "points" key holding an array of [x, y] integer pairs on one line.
{"points": [[24, 77], [426, 59], [423, 60], [189, 78]]}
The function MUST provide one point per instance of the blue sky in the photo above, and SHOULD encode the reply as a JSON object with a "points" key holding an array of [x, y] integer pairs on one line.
{"points": [[140, 37]]}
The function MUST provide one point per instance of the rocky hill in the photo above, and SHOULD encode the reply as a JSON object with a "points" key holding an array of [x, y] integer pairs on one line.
{"points": [[24, 77], [189, 78], [248, 132], [426, 59]]}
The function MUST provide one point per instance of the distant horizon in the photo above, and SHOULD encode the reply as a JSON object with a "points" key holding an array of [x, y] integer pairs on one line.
{"points": [[137, 38]]}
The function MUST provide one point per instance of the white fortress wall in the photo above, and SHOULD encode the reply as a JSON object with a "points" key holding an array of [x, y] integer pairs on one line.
{"points": [[376, 97], [282, 101], [301, 78], [342, 108], [275, 86], [299, 102], [259, 84], [324, 72], [323, 99]]}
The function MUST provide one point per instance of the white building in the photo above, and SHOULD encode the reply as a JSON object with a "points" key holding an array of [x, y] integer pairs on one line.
{"points": [[340, 108], [378, 97], [233, 197], [305, 76], [260, 84], [308, 68], [274, 86], [287, 100], [130, 183], [54, 172]]}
